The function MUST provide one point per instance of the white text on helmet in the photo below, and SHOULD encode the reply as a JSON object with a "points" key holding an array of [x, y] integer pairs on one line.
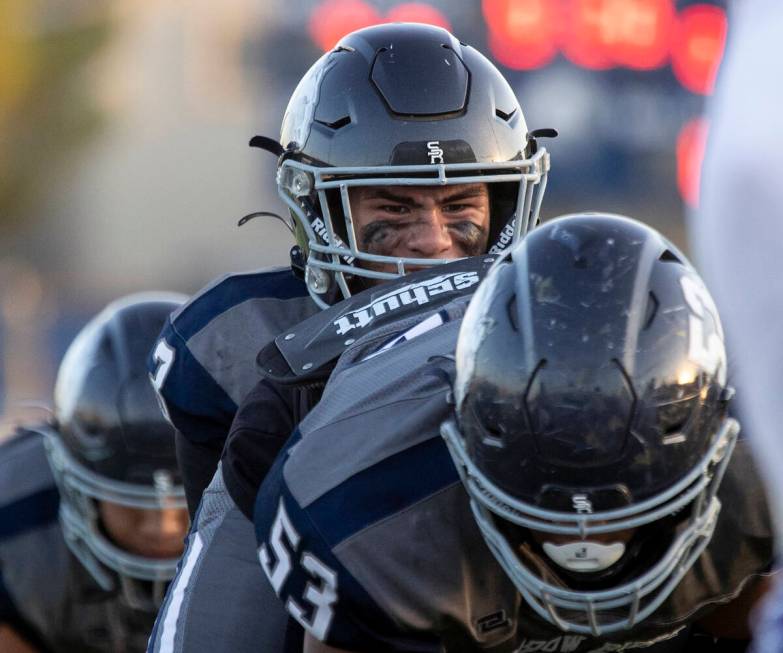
{"points": [[504, 239], [435, 151]]}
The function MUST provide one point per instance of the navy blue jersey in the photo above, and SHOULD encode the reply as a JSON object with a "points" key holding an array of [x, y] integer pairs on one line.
{"points": [[366, 533], [204, 363]]}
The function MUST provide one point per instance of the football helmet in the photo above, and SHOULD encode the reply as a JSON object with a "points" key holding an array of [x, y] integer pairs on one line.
{"points": [[110, 443], [400, 104], [591, 428]]}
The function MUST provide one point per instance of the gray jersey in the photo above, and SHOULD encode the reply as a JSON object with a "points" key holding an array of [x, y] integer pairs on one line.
{"points": [[46, 589], [219, 600], [205, 361], [366, 533], [214, 602]]}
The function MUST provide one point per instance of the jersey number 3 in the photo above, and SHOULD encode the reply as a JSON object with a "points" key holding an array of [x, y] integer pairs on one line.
{"points": [[284, 540]]}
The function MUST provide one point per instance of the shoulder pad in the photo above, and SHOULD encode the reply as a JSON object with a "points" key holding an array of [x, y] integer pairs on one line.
{"points": [[308, 351], [232, 289]]}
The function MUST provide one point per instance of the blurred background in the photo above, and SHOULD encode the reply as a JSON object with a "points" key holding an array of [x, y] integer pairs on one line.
{"points": [[124, 126]]}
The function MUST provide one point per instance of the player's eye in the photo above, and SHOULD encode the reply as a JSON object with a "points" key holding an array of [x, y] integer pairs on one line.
{"points": [[395, 209], [457, 208]]}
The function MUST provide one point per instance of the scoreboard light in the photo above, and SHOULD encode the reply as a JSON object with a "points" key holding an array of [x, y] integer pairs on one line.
{"points": [[691, 144], [587, 31], [602, 34], [699, 40], [522, 33], [592, 34], [333, 19], [643, 38]]}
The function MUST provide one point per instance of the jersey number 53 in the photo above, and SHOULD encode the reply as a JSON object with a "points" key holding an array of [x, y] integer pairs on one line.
{"points": [[321, 589]]}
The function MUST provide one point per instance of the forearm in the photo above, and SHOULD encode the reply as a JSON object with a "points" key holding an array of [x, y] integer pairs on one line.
{"points": [[198, 463]]}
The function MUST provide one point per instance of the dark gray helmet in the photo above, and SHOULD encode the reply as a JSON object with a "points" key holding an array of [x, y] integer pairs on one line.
{"points": [[110, 441], [591, 401], [392, 105]]}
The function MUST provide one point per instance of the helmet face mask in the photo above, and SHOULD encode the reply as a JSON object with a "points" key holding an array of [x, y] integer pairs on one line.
{"points": [[591, 416], [422, 110], [621, 605], [111, 446], [142, 580]]}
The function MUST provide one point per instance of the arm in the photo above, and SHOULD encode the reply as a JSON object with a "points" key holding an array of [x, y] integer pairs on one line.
{"points": [[196, 407], [263, 423], [198, 461]]}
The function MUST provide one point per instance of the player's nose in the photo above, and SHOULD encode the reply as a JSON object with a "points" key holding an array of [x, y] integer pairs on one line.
{"points": [[431, 238]]}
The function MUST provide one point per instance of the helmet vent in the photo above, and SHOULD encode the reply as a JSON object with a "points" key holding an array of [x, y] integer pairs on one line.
{"points": [[669, 255], [674, 434], [337, 124], [505, 116], [675, 428], [511, 307], [652, 309], [493, 436]]}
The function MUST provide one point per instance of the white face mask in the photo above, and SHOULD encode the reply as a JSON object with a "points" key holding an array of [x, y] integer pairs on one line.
{"points": [[584, 555]]}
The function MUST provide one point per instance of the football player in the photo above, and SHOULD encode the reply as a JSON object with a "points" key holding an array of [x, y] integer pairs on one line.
{"points": [[402, 149], [401, 172], [92, 581], [571, 481]]}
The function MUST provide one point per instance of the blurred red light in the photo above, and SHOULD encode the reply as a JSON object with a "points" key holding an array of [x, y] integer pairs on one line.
{"points": [[522, 33], [644, 35], [584, 34], [691, 143], [697, 46], [599, 34], [418, 12], [333, 19]]}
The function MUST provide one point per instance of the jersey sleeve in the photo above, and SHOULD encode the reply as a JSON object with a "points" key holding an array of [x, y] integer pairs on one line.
{"points": [[316, 589], [203, 363], [190, 398]]}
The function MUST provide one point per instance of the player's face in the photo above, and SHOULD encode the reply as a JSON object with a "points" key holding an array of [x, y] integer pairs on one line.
{"points": [[150, 533], [421, 221]]}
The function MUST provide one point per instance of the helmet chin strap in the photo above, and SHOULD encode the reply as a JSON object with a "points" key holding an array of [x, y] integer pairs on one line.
{"points": [[584, 556]]}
